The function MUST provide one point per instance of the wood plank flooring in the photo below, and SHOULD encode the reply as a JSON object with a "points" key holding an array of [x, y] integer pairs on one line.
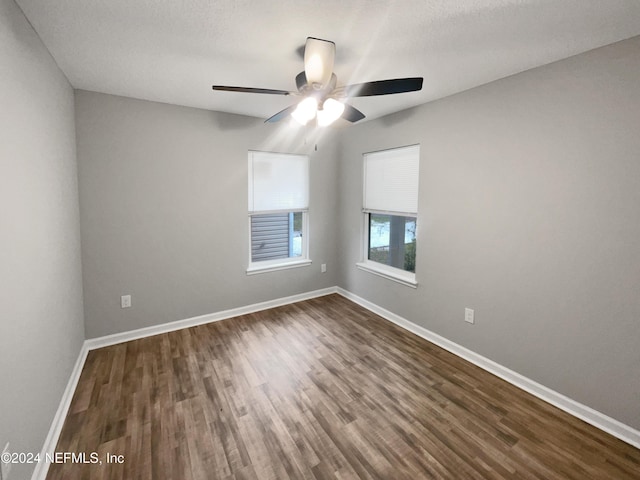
{"points": [[321, 389]]}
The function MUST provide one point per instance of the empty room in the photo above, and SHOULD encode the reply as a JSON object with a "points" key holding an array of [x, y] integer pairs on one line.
{"points": [[320, 240]]}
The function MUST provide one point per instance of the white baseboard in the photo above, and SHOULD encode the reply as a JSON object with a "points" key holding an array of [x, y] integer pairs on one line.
{"points": [[42, 467], [583, 412], [105, 341], [588, 414]]}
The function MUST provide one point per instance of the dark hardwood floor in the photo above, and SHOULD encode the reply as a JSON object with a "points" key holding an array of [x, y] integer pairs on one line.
{"points": [[318, 389]]}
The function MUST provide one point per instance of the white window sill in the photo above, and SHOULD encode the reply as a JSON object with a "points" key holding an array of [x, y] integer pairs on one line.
{"points": [[395, 274], [270, 266]]}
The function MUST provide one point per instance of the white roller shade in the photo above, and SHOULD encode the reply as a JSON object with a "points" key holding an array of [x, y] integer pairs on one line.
{"points": [[391, 180], [278, 182]]}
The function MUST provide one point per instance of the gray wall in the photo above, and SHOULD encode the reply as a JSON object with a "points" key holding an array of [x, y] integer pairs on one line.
{"points": [[41, 323], [529, 214], [163, 202]]}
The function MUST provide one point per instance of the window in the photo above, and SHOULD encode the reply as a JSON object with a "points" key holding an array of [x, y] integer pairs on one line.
{"points": [[390, 208], [392, 241], [278, 204]]}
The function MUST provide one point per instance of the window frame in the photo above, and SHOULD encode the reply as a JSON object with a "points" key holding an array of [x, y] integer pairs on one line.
{"points": [[395, 274], [264, 266]]}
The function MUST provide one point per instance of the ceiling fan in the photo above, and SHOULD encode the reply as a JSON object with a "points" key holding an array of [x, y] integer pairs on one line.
{"points": [[322, 98]]}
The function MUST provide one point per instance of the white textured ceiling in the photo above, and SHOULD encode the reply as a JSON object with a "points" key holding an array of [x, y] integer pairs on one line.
{"points": [[172, 51]]}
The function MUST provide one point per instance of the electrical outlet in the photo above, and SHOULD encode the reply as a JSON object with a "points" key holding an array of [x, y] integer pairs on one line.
{"points": [[5, 467], [323, 268], [468, 315], [125, 301]]}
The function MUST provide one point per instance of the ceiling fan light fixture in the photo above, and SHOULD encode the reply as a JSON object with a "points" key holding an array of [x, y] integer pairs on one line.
{"points": [[305, 111], [331, 111], [319, 56], [319, 87], [316, 78]]}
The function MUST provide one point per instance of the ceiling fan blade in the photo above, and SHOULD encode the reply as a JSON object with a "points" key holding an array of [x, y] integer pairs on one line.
{"points": [[251, 90], [382, 87], [352, 114], [281, 114], [319, 56]]}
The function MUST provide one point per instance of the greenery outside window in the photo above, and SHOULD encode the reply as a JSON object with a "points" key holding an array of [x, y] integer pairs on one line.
{"points": [[392, 241]]}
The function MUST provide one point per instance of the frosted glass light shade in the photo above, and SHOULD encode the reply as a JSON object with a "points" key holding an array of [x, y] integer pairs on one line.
{"points": [[319, 56], [305, 111], [331, 111]]}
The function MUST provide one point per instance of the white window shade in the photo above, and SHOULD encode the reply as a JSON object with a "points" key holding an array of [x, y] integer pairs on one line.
{"points": [[278, 182], [391, 180]]}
